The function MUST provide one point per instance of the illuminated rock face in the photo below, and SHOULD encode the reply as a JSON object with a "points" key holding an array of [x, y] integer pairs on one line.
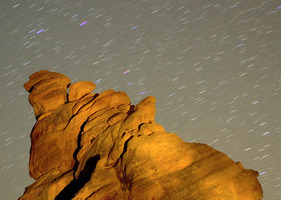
{"points": [[98, 146]]}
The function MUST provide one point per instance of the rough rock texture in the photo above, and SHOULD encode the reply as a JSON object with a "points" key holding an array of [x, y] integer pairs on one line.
{"points": [[98, 146]]}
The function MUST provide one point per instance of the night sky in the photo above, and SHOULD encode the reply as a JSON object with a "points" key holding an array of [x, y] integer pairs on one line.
{"points": [[213, 65]]}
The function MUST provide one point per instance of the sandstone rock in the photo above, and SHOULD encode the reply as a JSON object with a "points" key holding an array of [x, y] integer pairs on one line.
{"points": [[48, 186], [47, 143], [78, 90], [99, 146], [48, 90]]}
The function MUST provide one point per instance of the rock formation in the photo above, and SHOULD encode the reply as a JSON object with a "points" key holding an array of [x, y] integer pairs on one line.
{"points": [[98, 146]]}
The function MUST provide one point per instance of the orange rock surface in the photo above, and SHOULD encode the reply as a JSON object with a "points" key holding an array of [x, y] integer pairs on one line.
{"points": [[99, 146]]}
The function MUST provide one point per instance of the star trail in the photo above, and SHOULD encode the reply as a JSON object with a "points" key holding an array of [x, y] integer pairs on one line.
{"points": [[213, 66]]}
